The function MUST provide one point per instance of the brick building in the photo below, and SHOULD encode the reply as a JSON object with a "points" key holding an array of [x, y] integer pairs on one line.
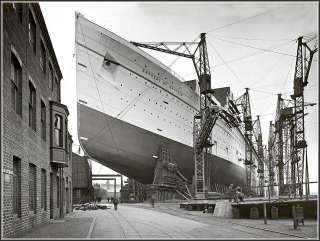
{"points": [[81, 179], [36, 145]]}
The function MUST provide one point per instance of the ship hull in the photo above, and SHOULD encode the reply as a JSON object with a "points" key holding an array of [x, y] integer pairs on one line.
{"points": [[128, 149], [129, 104]]}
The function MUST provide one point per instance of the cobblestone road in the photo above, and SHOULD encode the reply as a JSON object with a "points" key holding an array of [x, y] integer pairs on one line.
{"points": [[166, 221]]}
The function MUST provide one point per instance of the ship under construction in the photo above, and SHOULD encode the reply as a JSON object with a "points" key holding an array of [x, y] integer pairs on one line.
{"points": [[130, 105]]}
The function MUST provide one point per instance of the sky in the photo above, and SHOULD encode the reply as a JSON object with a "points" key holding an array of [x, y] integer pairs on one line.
{"points": [[238, 33]]}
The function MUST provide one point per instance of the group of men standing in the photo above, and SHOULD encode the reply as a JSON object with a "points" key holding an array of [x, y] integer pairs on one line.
{"points": [[235, 194]]}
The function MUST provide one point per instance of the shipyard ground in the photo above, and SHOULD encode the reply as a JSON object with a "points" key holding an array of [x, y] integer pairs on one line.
{"points": [[166, 220]]}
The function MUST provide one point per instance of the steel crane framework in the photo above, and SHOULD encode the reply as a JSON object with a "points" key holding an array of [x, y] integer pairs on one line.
{"points": [[209, 112], [287, 145]]}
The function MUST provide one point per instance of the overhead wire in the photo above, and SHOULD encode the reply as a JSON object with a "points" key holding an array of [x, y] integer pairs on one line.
{"points": [[230, 69], [253, 54], [254, 39], [276, 64], [240, 20], [253, 47], [287, 76]]}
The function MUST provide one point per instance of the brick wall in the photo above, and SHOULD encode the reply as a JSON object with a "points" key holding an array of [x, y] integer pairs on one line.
{"points": [[19, 138]]}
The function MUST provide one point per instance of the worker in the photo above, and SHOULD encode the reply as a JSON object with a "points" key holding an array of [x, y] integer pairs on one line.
{"points": [[239, 195], [115, 203], [152, 201], [230, 192]]}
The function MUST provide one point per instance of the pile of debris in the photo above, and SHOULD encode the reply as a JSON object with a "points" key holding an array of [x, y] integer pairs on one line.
{"points": [[90, 206]]}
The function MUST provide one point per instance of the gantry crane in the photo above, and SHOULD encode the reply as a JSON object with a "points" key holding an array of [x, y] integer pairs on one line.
{"points": [[209, 110], [282, 143], [244, 102], [270, 163], [302, 69], [287, 143], [260, 150]]}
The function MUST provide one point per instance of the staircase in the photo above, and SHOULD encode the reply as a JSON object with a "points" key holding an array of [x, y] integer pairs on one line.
{"points": [[223, 209]]}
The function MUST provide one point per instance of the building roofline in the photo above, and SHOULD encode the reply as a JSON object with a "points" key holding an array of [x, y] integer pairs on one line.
{"points": [[46, 36]]}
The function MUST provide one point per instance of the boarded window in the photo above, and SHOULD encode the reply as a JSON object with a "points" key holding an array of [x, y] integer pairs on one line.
{"points": [[32, 106], [43, 121], [16, 83], [43, 189], [32, 188], [16, 200], [32, 31]]}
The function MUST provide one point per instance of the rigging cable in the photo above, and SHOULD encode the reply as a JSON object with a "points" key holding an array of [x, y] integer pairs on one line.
{"points": [[254, 39], [287, 77], [241, 20], [249, 46], [253, 54], [225, 62], [276, 64]]}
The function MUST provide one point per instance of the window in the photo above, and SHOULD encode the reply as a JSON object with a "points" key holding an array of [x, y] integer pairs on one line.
{"points": [[66, 137], [16, 83], [16, 186], [32, 106], [50, 76], [32, 31], [43, 189], [58, 192], [43, 121], [42, 57], [32, 187], [58, 130], [58, 90]]}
